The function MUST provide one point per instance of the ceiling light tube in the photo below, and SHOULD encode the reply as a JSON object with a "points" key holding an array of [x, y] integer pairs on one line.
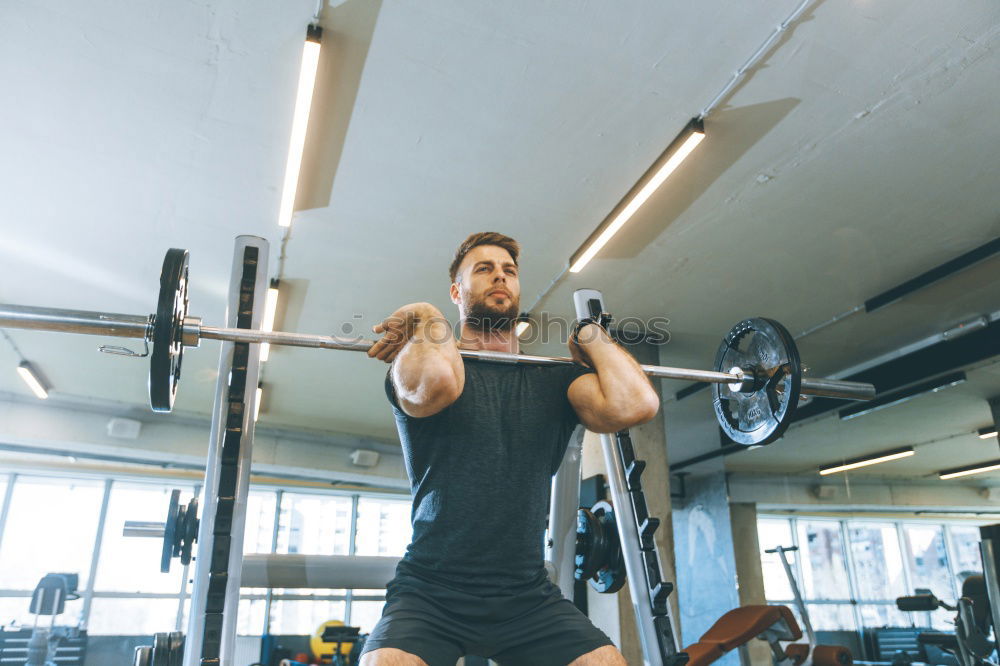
{"points": [[885, 456], [300, 122], [987, 432], [270, 308], [958, 472], [665, 164], [33, 380]]}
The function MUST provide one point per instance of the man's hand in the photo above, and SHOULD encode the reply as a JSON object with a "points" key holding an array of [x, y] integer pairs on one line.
{"points": [[588, 335], [399, 327], [618, 395]]}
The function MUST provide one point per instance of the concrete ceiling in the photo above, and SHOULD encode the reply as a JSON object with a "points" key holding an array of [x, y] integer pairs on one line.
{"points": [[860, 153]]}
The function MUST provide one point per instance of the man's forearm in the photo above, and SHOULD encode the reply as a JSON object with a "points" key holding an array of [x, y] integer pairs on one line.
{"points": [[429, 364]]}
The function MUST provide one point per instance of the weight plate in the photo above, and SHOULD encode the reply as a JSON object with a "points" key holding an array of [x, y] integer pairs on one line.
{"points": [[170, 528], [161, 649], [176, 648], [609, 576], [588, 538], [168, 328], [189, 531], [143, 656], [760, 412]]}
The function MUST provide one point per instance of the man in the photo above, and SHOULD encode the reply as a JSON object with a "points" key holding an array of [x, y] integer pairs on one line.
{"points": [[481, 442]]}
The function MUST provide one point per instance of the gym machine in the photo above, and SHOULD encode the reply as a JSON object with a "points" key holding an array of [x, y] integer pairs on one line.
{"points": [[757, 382]]}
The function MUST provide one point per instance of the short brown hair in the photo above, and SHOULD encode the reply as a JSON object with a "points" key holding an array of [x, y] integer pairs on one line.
{"points": [[483, 238]]}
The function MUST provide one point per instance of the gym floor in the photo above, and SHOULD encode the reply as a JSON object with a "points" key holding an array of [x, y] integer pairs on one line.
{"points": [[841, 180]]}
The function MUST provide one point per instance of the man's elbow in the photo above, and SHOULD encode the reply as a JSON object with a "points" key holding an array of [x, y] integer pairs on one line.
{"points": [[640, 409], [436, 391]]}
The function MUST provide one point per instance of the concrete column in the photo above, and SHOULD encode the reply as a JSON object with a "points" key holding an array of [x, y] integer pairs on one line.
{"points": [[707, 585], [749, 574]]}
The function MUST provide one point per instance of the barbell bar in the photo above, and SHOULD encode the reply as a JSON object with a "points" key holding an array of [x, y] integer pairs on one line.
{"points": [[138, 327], [757, 361]]}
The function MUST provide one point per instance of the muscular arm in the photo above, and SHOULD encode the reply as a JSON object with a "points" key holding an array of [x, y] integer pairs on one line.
{"points": [[618, 395], [427, 372]]}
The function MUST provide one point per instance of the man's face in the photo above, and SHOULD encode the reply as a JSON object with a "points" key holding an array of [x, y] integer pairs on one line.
{"points": [[486, 289]]}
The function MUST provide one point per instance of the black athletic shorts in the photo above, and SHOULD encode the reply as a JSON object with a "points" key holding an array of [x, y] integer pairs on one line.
{"points": [[538, 627]]}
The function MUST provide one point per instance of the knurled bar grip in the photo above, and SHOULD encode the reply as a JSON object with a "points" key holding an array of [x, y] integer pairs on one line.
{"points": [[135, 326]]}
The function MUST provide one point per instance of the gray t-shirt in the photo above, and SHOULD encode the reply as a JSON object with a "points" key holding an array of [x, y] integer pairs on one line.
{"points": [[480, 472]]}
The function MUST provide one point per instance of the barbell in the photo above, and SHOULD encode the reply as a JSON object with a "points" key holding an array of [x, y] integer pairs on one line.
{"points": [[756, 382]]}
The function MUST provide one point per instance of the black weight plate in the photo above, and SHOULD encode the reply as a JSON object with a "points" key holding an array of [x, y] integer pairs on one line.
{"points": [[588, 545], [189, 531], [610, 575], [176, 648], [143, 656], [161, 649], [168, 328], [760, 415], [170, 528]]}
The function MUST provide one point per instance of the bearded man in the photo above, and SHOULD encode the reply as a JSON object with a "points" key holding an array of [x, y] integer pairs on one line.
{"points": [[481, 441]]}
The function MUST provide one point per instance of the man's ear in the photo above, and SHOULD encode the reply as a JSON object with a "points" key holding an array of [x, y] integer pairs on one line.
{"points": [[453, 291]]}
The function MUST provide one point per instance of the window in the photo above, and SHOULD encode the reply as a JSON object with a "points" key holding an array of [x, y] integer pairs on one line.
{"points": [[314, 524], [854, 585], [824, 572], [383, 527], [878, 563], [132, 564], [928, 560], [770, 534], [51, 525]]}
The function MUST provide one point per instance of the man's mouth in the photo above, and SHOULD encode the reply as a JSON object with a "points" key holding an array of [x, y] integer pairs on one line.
{"points": [[499, 292]]}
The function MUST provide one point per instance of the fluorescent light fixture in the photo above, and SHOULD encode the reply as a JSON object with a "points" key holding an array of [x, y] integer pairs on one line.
{"points": [[270, 308], [256, 405], [665, 164], [300, 122], [886, 456], [987, 432], [896, 397], [957, 472], [31, 378]]}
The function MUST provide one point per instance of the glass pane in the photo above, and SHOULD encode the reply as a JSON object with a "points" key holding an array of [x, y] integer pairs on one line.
{"points": [[824, 571], [50, 529], [132, 564], [14, 611], [314, 524], [250, 617], [831, 617], [365, 614], [132, 617], [882, 615], [260, 521], [966, 558], [303, 617], [383, 527], [878, 562], [928, 560], [772, 532]]}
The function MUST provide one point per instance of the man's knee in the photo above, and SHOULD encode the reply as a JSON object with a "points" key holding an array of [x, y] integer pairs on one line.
{"points": [[391, 657], [602, 656]]}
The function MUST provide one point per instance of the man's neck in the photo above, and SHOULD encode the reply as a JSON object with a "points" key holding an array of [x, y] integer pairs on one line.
{"points": [[498, 341]]}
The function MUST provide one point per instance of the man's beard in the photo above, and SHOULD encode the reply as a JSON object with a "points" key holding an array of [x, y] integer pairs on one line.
{"points": [[482, 317]]}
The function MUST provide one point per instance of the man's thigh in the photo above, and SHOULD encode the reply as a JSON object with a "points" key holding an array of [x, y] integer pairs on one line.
{"points": [[602, 656], [391, 657]]}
